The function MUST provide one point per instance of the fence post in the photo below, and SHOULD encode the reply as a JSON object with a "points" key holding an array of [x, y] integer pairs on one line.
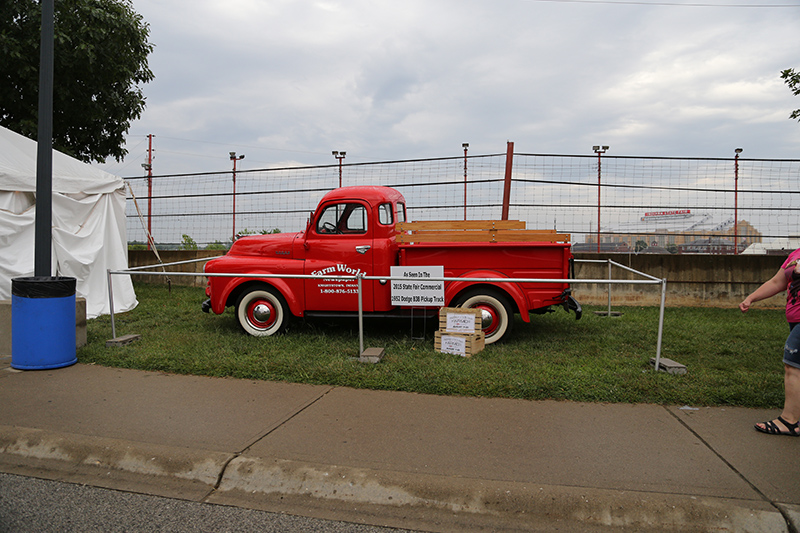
{"points": [[609, 288], [360, 317], [507, 185], [736, 201], [661, 323], [111, 305]]}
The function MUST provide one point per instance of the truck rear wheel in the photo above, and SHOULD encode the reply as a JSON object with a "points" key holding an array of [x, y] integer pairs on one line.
{"points": [[262, 311], [497, 313]]}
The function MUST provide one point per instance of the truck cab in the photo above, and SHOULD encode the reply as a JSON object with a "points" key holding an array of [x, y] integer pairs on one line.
{"points": [[351, 234]]}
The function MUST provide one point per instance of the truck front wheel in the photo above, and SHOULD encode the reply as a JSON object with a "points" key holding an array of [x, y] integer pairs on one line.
{"points": [[262, 311], [497, 314]]}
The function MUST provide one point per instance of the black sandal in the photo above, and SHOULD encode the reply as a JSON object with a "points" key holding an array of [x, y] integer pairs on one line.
{"points": [[771, 428]]}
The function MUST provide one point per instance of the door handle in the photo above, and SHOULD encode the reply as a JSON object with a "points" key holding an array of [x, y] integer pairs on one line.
{"points": [[363, 249]]}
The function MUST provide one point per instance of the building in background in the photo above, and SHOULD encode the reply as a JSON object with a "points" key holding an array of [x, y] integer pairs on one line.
{"points": [[676, 231], [782, 247]]}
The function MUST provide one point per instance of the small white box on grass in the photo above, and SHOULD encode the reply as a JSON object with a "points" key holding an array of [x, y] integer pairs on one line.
{"points": [[459, 320], [463, 344]]}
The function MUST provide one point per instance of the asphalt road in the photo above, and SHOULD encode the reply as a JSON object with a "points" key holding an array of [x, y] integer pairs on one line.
{"points": [[30, 504]]}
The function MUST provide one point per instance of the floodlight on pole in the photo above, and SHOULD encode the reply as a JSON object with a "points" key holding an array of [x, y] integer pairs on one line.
{"points": [[599, 150], [149, 168], [465, 146], [737, 151], [339, 155], [234, 158]]}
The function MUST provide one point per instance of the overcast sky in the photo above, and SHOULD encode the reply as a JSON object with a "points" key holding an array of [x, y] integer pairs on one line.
{"points": [[287, 81]]}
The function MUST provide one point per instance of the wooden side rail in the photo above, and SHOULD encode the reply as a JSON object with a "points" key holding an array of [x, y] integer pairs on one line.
{"points": [[455, 225], [474, 231]]}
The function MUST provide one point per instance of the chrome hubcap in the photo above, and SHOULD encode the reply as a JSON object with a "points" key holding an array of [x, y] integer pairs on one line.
{"points": [[486, 318], [262, 313]]}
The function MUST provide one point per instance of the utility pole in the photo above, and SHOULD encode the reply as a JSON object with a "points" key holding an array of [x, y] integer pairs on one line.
{"points": [[507, 179], [149, 168]]}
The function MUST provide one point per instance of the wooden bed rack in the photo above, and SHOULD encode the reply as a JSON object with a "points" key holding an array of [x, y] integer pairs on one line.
{"points": [[474, 231]]}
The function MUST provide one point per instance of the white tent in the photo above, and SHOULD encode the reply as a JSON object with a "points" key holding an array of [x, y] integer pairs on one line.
{"points": [[89, 235]]}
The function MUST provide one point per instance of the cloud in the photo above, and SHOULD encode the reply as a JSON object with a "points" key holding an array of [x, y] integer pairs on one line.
{"points": [[386, 81]]}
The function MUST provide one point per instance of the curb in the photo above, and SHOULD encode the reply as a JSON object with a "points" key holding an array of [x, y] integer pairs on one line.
{"points": [[388, 498], [792, 514], [280, 484], [111, 463]]}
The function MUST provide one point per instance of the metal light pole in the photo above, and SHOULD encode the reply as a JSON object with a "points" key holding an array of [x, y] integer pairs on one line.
{"points": [[43, 229], [234, 158], [736, 201], [465, 146], [599, 150], [149, 168], [339, 156], [43, 326]]}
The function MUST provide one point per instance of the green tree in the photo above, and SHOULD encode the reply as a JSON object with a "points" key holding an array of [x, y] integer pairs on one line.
{"points": [[792, 79], [187, 243], [100, 60], [261, 232], [216, 245], [640, 245]]}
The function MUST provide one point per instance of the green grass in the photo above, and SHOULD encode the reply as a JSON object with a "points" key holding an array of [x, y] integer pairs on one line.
{"points": [[732, 358]]}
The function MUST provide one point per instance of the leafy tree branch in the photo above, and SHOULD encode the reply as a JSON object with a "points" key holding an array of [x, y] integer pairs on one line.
{"points": [[100, 55], [792, 79]]}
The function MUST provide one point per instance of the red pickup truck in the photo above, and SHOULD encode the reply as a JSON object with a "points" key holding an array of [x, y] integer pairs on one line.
{"points": [[364, 231]]}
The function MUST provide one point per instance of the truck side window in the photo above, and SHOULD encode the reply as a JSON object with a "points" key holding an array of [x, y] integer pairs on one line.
{"points": [[401, 212], [385, 214], [343, 218]]}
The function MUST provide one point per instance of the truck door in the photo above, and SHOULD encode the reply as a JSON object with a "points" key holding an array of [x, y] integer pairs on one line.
{"points": [[339, 243]]}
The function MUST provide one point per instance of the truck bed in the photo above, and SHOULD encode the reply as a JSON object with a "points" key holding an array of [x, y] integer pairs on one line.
{"points": [[491, 248]]}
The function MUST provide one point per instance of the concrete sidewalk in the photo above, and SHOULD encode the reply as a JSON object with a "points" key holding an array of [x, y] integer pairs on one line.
{"points": [[398, 459]]}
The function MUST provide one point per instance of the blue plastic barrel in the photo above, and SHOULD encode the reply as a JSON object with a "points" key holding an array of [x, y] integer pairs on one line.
{"points": [[42, 323]]}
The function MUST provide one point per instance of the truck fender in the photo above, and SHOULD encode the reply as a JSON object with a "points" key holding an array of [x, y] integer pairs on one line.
{"points": [[511, 289], [237, 285]]}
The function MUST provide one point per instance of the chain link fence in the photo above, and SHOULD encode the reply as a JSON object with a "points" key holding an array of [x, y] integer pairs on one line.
{"points": [[607, 203]]}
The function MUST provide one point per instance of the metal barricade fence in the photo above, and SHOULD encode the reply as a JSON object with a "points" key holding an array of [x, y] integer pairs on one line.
{"points": [[650, 280]]}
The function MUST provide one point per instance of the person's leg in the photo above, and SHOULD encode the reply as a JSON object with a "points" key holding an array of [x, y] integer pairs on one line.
{"points": [[791, 383], [791, 376], [787, 423]]}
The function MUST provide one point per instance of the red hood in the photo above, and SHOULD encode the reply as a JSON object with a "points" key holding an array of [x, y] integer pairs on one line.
{"points": [[272, 245]]}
